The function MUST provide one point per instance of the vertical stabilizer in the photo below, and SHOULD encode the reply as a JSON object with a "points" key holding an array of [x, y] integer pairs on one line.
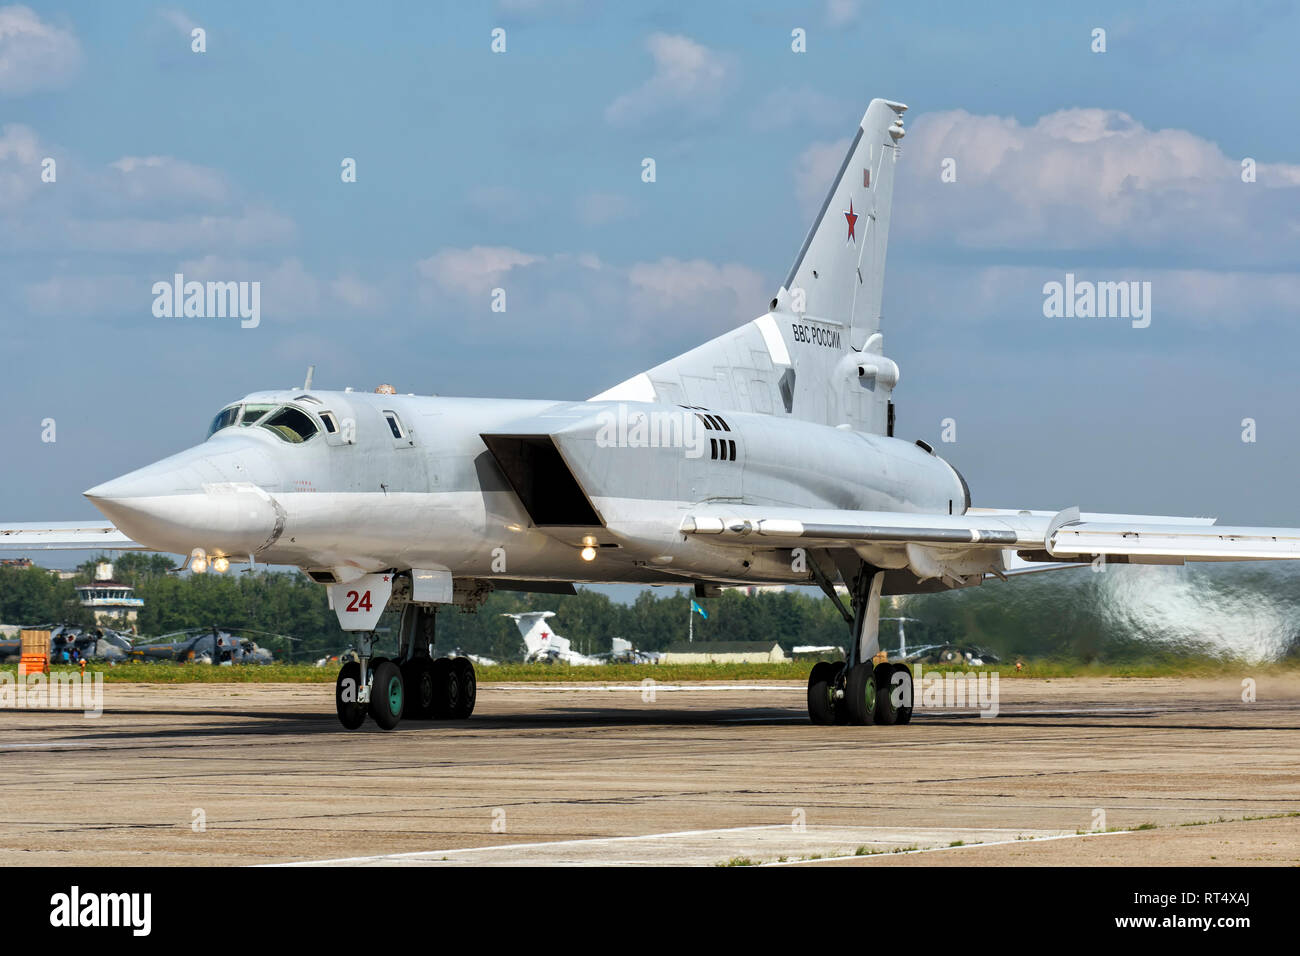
{"points": [[817, 354], [839, 274]]}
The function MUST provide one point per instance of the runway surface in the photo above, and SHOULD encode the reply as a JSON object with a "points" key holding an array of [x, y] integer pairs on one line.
{"points": [[213, 774]]}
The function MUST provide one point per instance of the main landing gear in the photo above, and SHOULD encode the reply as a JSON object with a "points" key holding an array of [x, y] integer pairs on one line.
{"points": [[415, 686], [861, 690], [864, 693]]}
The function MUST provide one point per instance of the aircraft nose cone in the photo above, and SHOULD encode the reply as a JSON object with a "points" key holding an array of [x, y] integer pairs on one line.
{"points": [[178, 505], [124, 486]]}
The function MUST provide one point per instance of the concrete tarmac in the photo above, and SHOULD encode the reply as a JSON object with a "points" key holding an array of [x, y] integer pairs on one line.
{"points": [[542, 774]]}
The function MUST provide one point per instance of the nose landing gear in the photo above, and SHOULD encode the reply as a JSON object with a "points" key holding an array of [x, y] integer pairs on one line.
{"points": [[347, 693], [416, 686]]}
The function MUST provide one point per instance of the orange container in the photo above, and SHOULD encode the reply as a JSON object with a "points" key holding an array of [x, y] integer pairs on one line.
{"points": [[33, 664], [35, 657]]}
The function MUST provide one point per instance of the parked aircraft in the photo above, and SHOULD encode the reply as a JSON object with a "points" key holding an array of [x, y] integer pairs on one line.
{"points": [[70, 643], [200, 645], [766, 455], [541, 643]]}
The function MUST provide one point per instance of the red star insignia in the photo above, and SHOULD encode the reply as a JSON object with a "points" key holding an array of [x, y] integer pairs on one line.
{"points": [[853, 221]]}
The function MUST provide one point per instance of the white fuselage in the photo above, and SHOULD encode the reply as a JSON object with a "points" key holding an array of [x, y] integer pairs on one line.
{"points": [[425, 491]]}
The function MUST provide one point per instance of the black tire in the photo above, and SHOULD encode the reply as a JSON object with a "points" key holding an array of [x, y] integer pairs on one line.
{"points": [[860, 694], [905, 711], [466, 686], [417, 677], [820, 708], [440, 671], [387, 695], [351, 714], [839, 705], [886, 703]]}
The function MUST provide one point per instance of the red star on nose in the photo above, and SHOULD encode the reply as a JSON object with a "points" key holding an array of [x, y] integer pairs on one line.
{"points": [[853, 221]]}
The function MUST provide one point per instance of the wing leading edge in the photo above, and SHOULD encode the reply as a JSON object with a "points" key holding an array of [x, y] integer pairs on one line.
{"points": [[66, 536]]}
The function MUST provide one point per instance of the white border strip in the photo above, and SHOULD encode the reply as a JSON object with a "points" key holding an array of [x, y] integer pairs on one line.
{"points": [[587, 841]]}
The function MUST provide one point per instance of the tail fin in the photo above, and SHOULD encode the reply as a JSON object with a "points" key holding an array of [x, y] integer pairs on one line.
{"points": [[839, 274], [816, 354], [537, 634]]}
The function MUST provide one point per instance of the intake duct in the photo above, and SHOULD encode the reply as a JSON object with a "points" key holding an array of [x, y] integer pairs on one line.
{"points": [[538, 474]]}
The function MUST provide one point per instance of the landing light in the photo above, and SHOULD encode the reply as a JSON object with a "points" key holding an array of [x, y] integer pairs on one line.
{"points": [[198, 561], [221, 565], [589, 553]]}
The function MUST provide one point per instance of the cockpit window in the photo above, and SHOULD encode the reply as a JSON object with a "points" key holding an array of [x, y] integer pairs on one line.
{"points": [[291, 424], [253, 412], [243, 415], [225, 418]]}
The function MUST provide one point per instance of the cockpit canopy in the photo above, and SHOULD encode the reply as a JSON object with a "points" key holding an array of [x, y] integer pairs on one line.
{"points": [[287, 422]]}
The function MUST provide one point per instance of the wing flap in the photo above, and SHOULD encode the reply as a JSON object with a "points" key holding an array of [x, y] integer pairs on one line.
{"points": [[1066, 535], [1192, 543]]}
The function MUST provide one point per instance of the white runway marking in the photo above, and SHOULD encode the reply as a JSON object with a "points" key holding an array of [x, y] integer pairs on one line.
{"points": [[779, 843]]}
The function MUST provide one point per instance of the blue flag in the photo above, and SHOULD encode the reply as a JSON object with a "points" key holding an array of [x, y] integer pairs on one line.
{"points": [[699, 610]]}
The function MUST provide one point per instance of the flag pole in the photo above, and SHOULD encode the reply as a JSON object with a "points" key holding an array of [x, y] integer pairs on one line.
{"points": [[690, 617]]}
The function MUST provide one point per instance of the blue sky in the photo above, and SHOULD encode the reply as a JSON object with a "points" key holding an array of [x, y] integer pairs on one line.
{"points": [[523, 170]]}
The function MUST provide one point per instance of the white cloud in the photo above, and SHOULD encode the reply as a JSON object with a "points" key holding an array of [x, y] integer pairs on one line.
{"points": [[814, 170], [289, 290], [1090, 178], [355, 293], [181, 20], [503, 204], [20, 158], [473, 271], [733, 292], [164, 177], [599, 209], [1202, 298], [688, 78], [241, 229], [804, 106], [840, 12], [87, 296], [134, 204], [669, 298], [34, 55]]}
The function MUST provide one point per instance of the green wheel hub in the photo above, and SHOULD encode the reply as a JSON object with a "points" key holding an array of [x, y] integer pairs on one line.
{"points": [[395, 694], [869, 695]]}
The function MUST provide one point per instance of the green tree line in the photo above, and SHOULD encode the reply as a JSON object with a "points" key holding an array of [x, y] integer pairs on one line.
{"points": [[1250, 611]]}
